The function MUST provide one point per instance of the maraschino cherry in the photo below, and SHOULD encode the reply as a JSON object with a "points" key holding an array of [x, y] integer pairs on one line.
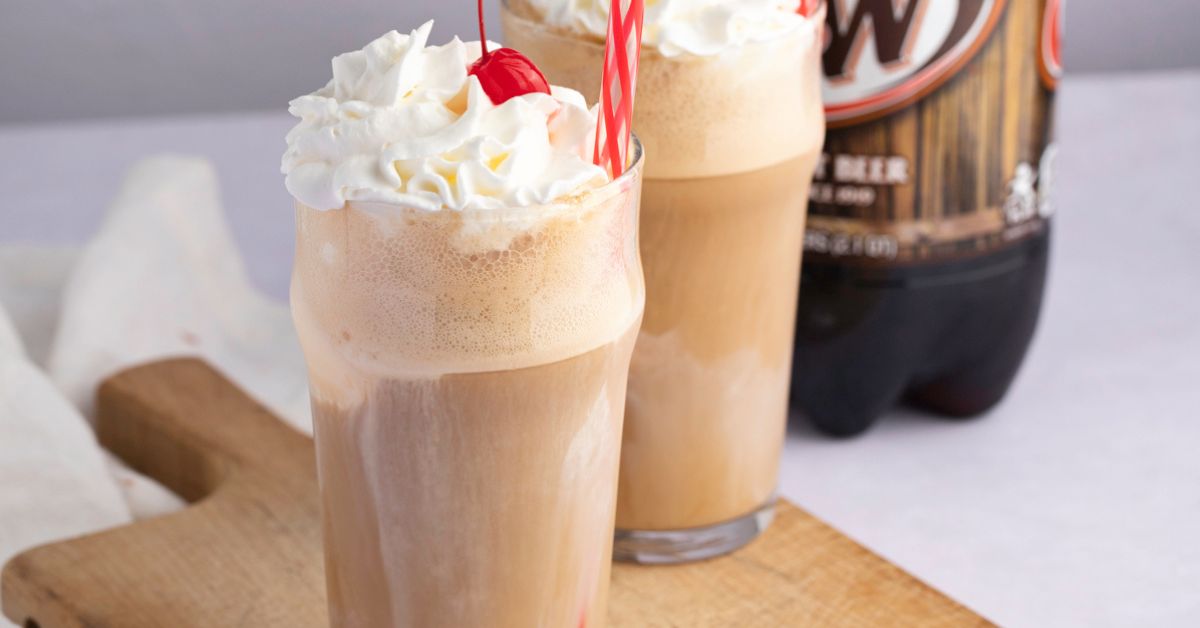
{"points": [[505, 73]]}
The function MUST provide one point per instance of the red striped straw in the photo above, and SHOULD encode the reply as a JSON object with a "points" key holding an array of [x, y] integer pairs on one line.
{"points": [[808, 7], [621, 53]]}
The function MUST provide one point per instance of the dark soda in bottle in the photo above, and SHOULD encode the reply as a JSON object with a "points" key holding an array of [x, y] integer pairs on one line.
{"points": [[930, 217]]}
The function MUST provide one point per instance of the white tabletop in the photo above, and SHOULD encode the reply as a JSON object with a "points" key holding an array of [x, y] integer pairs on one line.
{"points": [[1076, 502]]}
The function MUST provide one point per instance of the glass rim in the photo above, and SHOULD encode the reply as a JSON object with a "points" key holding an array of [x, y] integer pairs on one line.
{"points": [[575, 202], [637, 156], [597, 42]]}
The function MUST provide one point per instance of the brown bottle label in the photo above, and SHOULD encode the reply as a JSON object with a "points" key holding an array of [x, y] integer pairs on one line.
{"points": [[940, 124]]}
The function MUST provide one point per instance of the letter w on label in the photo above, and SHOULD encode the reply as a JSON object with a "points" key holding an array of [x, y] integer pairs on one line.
{"points": [[887, 23], [883, 54]]}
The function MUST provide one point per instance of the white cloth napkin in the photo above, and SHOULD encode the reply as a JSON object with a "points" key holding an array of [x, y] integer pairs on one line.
{"points": [[10, 342], [161, 278], [56, 483], [31, 281]]}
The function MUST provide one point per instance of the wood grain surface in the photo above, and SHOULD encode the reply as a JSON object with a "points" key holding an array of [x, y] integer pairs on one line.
{"points": [[248, 550]]}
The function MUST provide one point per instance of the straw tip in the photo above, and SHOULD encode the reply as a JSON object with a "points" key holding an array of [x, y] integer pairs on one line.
{"points": [[614, 128]]}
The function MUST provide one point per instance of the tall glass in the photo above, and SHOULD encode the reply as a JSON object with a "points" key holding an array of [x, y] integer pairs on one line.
{"points": [[733, 140], [468, 374]]}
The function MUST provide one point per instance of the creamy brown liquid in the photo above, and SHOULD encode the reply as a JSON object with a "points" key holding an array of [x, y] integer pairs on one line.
{"points": [[731, 144], [476, 499], [468, 375], [707, 404]]}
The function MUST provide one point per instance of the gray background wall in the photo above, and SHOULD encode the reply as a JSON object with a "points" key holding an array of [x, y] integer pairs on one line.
{"points": [[67, 59]]}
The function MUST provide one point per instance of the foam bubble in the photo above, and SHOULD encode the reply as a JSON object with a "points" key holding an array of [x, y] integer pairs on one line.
{"points": [[403, 292]]}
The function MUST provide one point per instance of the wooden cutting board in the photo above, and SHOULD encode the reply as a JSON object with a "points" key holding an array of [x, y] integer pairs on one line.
{"points": [[248, 551]]}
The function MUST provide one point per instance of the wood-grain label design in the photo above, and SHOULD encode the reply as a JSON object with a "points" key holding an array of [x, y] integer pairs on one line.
{"points": [[940, 121]]}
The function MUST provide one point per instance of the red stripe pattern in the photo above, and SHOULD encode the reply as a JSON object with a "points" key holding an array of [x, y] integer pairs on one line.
{"points": [[622, 51]]}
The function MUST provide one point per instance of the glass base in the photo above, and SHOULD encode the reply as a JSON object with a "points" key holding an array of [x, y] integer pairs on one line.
{"points": [[672, 547]]}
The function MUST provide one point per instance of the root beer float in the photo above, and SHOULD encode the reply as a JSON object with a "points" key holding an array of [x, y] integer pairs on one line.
{"points": [[467, 291], [729, 110]]}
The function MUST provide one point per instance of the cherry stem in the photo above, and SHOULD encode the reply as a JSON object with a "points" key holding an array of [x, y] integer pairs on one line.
{"points": [[482, 29]]}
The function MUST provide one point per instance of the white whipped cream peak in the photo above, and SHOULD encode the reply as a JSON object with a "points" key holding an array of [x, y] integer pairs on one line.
{"points": [[682, 27], [401, 122]]}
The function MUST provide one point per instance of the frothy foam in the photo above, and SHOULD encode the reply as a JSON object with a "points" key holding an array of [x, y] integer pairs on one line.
{"points": [[681, 27], [397, 292], [701, 116]]}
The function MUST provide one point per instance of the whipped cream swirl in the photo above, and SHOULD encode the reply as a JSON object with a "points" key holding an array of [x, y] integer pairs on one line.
{"points": [[403, 123], [681, 27]]}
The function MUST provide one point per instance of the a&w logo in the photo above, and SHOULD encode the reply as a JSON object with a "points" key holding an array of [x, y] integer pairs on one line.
{"points": [[881, 55]]}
